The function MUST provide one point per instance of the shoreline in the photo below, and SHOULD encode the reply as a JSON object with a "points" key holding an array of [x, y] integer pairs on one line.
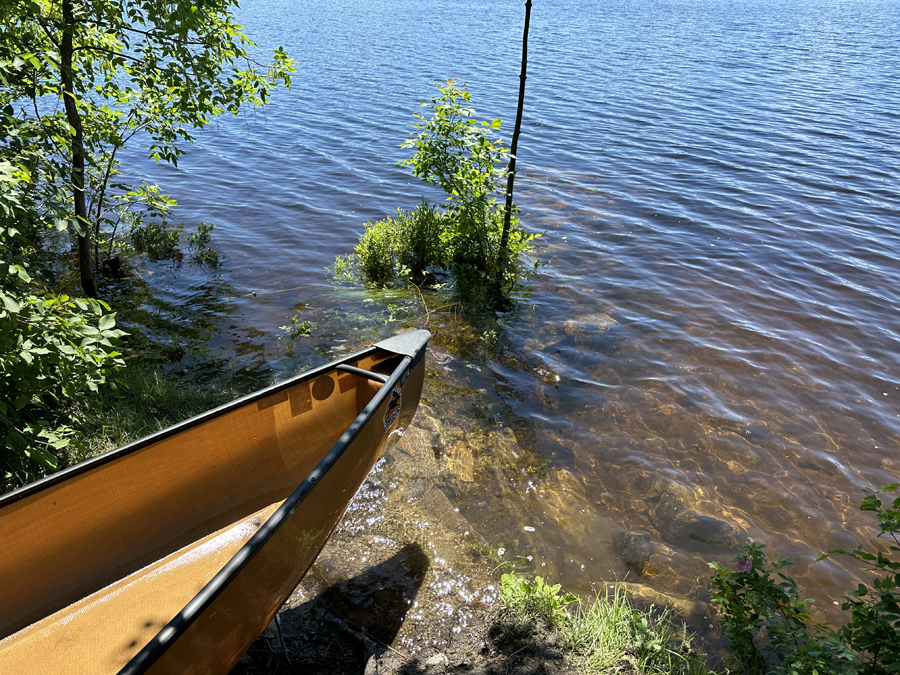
{"points": [[404, 586]]}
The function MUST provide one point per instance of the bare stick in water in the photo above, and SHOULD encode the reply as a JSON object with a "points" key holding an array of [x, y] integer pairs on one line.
{"points": [[504, 239]]}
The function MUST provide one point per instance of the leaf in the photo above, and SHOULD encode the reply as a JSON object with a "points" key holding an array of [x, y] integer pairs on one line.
{"points": [[15, 441], [10, 304], [107, 321], [43, 457]]}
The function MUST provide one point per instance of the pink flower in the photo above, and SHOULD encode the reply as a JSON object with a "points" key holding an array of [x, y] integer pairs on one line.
{"points": [[744, 565]]}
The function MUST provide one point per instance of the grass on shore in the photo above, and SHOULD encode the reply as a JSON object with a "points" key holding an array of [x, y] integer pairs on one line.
{"points": [[144, 399], [605, 635]]}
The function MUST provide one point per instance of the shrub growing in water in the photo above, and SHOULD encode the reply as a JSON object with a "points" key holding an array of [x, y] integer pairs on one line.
{"points": [[455, 151], [420, 241], [375, 251], [405, 246]]}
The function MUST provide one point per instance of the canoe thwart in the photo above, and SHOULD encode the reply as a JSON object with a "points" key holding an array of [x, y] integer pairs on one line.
{"points": [[378, 377]]}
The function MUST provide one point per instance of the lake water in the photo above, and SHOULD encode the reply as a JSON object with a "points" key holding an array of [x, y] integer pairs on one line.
{"points": [[711, 350]]}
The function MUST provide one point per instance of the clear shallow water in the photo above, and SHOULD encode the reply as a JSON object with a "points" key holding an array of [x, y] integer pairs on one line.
{"points": [[716, 330]]}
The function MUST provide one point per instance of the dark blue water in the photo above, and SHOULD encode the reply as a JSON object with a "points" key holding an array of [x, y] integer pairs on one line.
{"points": [[718, 321]]}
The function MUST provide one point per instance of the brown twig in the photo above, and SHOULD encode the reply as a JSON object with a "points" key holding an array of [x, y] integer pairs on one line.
{"points": [[449, 304], [427, 313]]}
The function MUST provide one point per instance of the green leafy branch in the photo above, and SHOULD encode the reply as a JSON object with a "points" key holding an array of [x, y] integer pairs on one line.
{"points": [[769, 625]]}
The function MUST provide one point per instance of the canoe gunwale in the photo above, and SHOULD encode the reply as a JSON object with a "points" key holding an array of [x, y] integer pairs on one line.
{"points": [[134, 446], [153, 650]]}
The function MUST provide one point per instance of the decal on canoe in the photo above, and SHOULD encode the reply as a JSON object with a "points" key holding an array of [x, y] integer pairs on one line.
{"points": [[393, 408]]}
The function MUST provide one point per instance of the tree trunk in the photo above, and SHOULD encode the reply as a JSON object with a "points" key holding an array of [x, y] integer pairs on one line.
{"points": [[511, 177], [66, 71]]}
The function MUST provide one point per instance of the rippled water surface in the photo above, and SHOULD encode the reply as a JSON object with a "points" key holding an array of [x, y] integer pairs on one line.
{"points": [[711, 350]]}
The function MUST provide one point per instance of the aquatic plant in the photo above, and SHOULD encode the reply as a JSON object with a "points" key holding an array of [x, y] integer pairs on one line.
{"points": [[535, 597], [156, 239], [456, 152], [298, 328], [199, 243]]}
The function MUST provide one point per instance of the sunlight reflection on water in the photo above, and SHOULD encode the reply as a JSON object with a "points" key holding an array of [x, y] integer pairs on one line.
{"points": [[710, 352]]}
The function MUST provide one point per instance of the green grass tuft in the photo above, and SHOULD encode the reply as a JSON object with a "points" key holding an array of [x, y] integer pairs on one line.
{"points": [[606, 635]]}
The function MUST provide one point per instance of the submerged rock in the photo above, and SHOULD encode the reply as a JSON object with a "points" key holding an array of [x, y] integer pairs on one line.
{"points": [[588, 323], [461, 462], [677, 516], [636, 549], [694, 611]]}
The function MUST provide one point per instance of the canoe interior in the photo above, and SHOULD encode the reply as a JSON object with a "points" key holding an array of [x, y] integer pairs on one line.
{"points": [[96, 563]]}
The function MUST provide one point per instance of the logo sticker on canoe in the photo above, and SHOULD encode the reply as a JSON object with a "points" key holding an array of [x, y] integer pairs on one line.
{"points": [[393, 408]]}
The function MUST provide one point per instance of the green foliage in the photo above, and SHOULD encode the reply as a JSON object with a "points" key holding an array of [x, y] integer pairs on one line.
{"points": [[614, 636], [607, 634], [298, 328], [768, 624], [147, 66], [344, 268], [199, 243], [156, 240], [404, 247], [135, 218], [146, 400], [421, 241], [52, 348], [79, 80], [375, 251], [874, 626], [456, 152], [538, 597]]}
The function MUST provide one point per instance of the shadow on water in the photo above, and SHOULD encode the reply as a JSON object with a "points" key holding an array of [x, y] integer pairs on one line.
{"points": [[345, 624]]}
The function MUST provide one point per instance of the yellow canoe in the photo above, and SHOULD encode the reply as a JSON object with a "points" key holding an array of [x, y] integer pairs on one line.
{"points": [[173, 553]]}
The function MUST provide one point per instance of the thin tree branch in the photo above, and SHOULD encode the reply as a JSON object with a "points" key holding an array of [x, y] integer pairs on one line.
{"points": [[106, 51]]}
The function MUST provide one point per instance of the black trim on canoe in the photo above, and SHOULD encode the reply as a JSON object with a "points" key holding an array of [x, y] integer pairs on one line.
{"points": [[154, 649], [419, 337]]}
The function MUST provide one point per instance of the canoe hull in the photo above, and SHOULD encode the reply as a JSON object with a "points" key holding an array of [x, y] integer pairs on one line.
{"points": [[119, 516]]}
